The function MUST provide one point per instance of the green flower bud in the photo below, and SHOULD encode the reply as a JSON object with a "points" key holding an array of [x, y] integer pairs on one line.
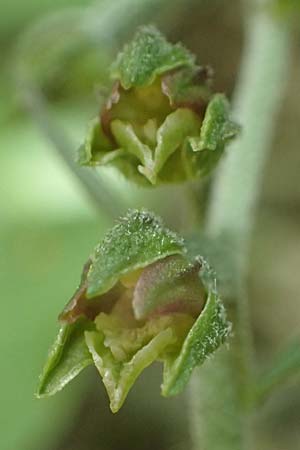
{"points": [[161, 122], [140, 299]]}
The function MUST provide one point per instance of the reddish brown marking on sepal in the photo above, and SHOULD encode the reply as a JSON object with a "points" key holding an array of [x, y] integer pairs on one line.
{"points": [[180, 306], [80, 306], [105, 114], [202, 76]]}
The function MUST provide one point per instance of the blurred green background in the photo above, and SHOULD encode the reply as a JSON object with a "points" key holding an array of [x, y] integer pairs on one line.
{"points": [[49, 222]]}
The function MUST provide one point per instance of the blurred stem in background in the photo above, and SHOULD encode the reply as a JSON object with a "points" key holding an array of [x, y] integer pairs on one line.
{"points": [[94, 185], [221, 392]]}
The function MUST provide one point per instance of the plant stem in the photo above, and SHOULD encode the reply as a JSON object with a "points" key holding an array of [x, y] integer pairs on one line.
{"points": [[220, 394], [257, 100]]}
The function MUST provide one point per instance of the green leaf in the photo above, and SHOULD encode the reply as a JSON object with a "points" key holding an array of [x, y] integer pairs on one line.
{"points": [[169, 285], [207, 334], [148, 55], [68, 356], [138, 240]]}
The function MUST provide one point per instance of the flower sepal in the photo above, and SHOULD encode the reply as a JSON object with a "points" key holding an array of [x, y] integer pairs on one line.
{"points": [[141, 299], [161, 123]]}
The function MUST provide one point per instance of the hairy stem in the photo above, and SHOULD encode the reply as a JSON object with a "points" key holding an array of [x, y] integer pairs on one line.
{"points": [[220, 392], [257, 100]]}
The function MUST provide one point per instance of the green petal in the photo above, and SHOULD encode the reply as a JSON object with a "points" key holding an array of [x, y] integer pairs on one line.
{"points": [[127, 139], [170, 136], [136, 241], [96, 145], [130, 143], [169, 285], [68, 356], [118, 378], [148, 55], [189, 87], [216, 128], [97, 150], [207, 334]]}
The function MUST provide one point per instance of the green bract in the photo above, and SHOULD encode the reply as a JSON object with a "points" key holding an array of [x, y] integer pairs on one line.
{"points": [[147, 56], [160, 115], [138, 240], [140, 299]]}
